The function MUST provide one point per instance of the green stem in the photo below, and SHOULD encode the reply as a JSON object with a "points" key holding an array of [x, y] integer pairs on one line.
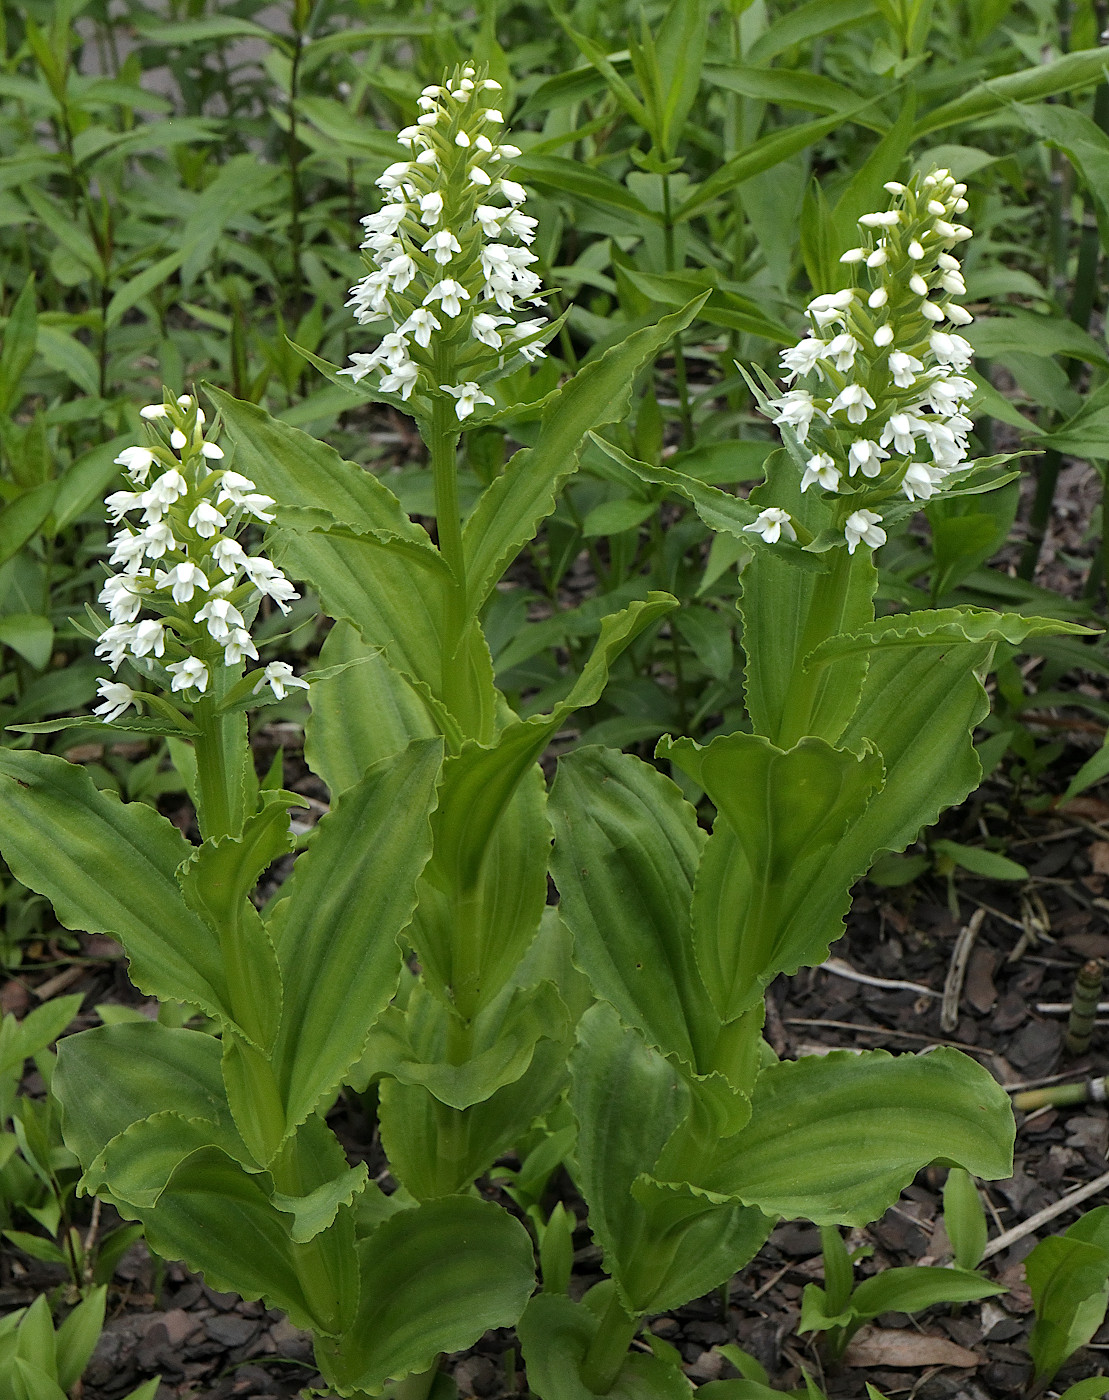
{"points": [[220, 760], [312, 1267], [417, 1386], [679, 357], [609, 1348]]}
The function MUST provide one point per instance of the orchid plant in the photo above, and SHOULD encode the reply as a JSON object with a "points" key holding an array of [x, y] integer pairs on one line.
{"points": [[412, 946]]}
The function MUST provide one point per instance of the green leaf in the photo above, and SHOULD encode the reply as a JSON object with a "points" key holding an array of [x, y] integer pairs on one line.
{"points": [[349, 897], [185, 32], [799, 1154], [613, 517], [981, 862], [780, 819], [1070, 73], [77, 1337], [1067, 1275], [761, 155], [18, 347], [432, 1279], [40, 1028], [1091, 772], [555, 1334], [361, 714], [509, 512], [86, 480], [1029, 333], [785, 87], [558, 175], [939, 629], [801, 23], [109, 867], [132, 292], [661, 1241], [316, 1210], [912, 1290], [964, 1218], [626, 852], [23, 516]]}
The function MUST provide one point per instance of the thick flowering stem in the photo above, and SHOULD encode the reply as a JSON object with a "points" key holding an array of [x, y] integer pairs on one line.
{"points": [[609, 1348], [824, 620]]}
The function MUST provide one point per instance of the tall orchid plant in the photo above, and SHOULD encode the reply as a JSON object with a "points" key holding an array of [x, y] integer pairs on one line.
{"points": [[684, 1134]]}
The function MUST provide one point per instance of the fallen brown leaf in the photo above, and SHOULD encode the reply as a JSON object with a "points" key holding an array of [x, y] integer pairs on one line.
{"points": [[884, 1346]]}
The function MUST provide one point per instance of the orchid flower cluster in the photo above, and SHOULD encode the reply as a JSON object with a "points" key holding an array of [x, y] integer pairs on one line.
{"points": [[885, 412], [448, 256], [182, 564]]}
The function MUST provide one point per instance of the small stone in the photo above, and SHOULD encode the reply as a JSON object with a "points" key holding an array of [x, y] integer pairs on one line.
{"points": [[232, 1331]]}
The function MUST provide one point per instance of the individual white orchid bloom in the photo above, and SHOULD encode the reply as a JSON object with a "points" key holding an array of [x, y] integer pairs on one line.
{"points": [[863, 527], [468, 397], [279, 676], [115, 698], [772, 524], [190, 674]]}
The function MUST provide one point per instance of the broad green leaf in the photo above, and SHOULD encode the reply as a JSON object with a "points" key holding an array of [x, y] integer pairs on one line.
{"points": [[661, 1241], [109, 867], [135, 1166], [1028, 333], [1093, 1389], [980, 862], [1067, 1275], [1092, 771], [509, 512], [1070, 73], [787, 612], [316, 1209], [940, 628], [209, 1207], [86, 480], [18, 347], [800, 1152], [432, 1279], [20, 518], [40, 1028], [783, 86], [361, 714], [111, 1077], [349, 897], [800, 23], [394, 593], [132, 292], [299, 471], [155, 30], [626, 852], [558, 175], [77, 1337], [555, 1334], [761, 155], [780, 819], [912, 1290], [464, 936], [964, 1218], [723, 307]]}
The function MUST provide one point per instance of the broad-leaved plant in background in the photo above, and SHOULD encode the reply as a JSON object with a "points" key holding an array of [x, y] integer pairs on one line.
{"points": [[411, 946]]}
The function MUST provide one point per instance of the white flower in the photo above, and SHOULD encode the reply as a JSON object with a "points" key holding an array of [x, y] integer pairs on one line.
{"points": [[177, 439], [899, 431], [443, 245], [479, 177], [258, 506], [885, 218], [916, 252], [237, 645], [120, 596], [854, 401], [400, 271], [278, 675], [865, 456], [229, 555], [883, 335], [917, 285], [420, 325], [212, 450], [183, 579], [206, 520], [830, 306], [863, 526], [450, 293], [233, 487], [120, 502], [802, 357], [115, 697], [951, 350], [514, 193], [129, 551], [842, 349], [153, 410], [387, 219], [149, 636], [903, 367], [878, 258], [190, 674], [958, 315], [401, 379], [162, 493], [362, 365], [920, 481], [878, 298], [221, 617], [268, 579], [491, 114], [947, 395], [158, 540], [521, 226], [853, 255], [772, 524], [795, 408], [113, 642], [469, 395], [822, 470], [490, 219], [484, 328], [137, 461], [533, 350]]}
